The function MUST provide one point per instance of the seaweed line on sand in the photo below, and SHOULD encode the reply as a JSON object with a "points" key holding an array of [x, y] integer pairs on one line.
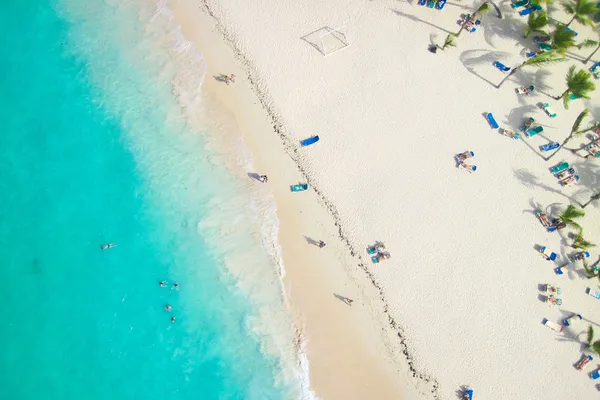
{"points": [[289, 145]]}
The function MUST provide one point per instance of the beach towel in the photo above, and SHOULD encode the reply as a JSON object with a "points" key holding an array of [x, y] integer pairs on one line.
{"points": [[535, 131], [492, 121], [309, 141], [501, 66]]}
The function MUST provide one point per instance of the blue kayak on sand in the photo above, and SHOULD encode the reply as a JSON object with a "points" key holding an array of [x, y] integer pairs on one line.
{"points": [[309, 141]]}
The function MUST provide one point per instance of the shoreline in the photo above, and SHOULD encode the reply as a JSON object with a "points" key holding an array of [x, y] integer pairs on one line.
{"points": [[373, 371]]}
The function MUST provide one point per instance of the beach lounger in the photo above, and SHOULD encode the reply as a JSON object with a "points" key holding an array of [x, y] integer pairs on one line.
{"points": [[548, 110], [527, 124], [595, 70], [570, 180], [526, 90], [553, 325], [595, 374], [553, 290], [535, 131], [571, 30], [431, 3], [469, 394], [594, 293], [422, 2], [377, 247], [572, 319], [309, 141], [530, 9], [492, 121], [560, 167], [544, 220], [566, 173], [584, 362], [545, 46], [511, 134], [553, 300], [550, 146], [501, 66], [548, 256], [520, 3], [440, 4], [299, 187]]}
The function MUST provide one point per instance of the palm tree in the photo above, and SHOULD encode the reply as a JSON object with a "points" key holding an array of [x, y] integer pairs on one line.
{"points": [[580, 243], [563, 39], [541, 60], [596, 346], [450, 41], [579, 84], [536, 23], [574, 132], [581, 10], [570, 215], [482, 10]]}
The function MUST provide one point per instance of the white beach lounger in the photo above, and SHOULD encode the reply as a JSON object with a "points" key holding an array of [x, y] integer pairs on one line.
{"points": [[554, 326]]}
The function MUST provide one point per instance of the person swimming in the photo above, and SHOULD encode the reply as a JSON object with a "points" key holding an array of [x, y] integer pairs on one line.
{"points": [[107, 246], [168, 307], [163, 283], [176, 286], [173, 319]]}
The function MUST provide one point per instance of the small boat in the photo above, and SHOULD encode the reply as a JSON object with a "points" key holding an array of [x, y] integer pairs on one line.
{"points": [[550, 146], [299, 187]]}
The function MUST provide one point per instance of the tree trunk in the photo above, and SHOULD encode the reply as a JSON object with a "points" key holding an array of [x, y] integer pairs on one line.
{"points": [[561, 146], [572, 19], [591, 55], [561, 96], [508, 76], [594, 197]]}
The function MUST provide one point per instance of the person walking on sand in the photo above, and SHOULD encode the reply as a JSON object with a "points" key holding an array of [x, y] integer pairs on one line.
{"points": [[322, 244], [232, 78], [470, 168], [226, 79], [263, 178]]}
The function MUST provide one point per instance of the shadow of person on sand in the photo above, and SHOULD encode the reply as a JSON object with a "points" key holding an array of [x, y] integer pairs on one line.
{"points": [[312, 241], [254, 176], [346, 300], [221, 78]]}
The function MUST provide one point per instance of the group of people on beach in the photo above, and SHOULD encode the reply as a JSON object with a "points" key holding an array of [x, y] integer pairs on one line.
{"points": [[168, 307], [461, 161], [228, 78]]}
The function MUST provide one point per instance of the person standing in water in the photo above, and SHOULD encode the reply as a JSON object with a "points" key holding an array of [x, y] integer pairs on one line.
{"points": [[168, 307], [163, 283]]}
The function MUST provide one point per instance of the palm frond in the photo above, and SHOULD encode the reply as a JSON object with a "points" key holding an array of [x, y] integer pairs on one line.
{"points": [[484, 8], [587, 43], [576, 126], [536, 22], [590, 336], [547, 57], [563, 39], [596, 346]]}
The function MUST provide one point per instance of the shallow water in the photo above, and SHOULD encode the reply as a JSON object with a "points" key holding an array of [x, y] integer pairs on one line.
{"points": [[96, 149]]}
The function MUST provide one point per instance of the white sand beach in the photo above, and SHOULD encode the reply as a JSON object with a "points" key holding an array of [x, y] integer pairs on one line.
{"points": [[461, 294]]}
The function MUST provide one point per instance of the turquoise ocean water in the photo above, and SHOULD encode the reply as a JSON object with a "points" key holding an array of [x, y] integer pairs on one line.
{"points": [[95, 148]]}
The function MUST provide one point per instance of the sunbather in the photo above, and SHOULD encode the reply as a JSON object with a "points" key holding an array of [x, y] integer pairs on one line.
{"points": [[465, 155], [570, 180], [470, 168], [592, 152], [583, 362]]}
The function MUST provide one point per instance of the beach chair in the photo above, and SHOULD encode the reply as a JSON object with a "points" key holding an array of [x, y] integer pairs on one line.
{"points": [[431, 3], [595, 374], [309, 141], [440, 4], [594, 293], [560, 167], [530, 9], [526, 90], [492, 121], [527, 124], [550, 146], [548, 110], [520, 3], [299, 187], [572, 319], [534, 131], [553, 300], [584, 362], [566, 173], [422, 2], [553, 325], [501, 66], [545, 46], [571, 30], [469, 394], [570, 180], [543, 219], [553, 290]]}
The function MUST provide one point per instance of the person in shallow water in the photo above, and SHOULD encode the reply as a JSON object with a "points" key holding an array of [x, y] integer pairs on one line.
{"points": [[176, 286], [168, 307], [163, 283], [108, 246], [173, 319]]}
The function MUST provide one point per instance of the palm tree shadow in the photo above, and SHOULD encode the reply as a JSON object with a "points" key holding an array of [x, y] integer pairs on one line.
{"points": [[530, 180], [470, 60], [419, 20]]}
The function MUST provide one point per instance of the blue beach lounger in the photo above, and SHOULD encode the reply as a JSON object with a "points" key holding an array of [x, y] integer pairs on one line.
{"points": [[519, 3], [550, 146], [469, 393], [492, 121], [422, 2], [309, 141], [501, 66], [440, 4]]}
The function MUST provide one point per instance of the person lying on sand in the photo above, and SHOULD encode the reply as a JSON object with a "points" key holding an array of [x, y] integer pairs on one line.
{"points": [[465, 155], [470, 168]]}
